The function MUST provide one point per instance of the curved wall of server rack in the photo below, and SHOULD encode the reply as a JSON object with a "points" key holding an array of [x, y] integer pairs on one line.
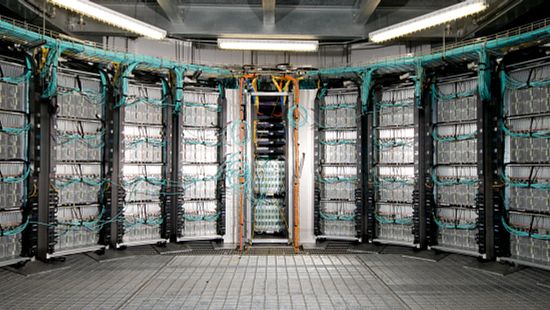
{"points": [[450, 155]]}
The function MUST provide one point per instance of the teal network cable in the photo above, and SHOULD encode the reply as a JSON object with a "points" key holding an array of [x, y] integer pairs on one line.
{"points": [[339, 142], [394, 181], [538, 134], [394, 104], [418, 83], [438, 96], [17, 179], [454, 181], [150, 141], [148, 222], [50, 68], [521, 233], [303, 119], [392, 143], [530, 184], [24, 77], [337, 106], [507, 82], [209, 107], [336, 217], [201, 142], [334, 180], [398, 221], [92, 225], [484, 74], [89, 140], [83, 180], [15, 231], [150, 180], [92, 96], [456, 138], [465, 226], [16, 131], [201, 218]]}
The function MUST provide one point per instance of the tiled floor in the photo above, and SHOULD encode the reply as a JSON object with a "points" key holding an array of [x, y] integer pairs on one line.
{"points": [[367, 281]]}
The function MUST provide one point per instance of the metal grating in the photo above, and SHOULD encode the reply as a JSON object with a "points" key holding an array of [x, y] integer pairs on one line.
{"points": [[273, 282]]}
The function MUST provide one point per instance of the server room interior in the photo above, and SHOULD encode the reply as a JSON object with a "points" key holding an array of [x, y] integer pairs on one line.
{"points": [[422, 183]]}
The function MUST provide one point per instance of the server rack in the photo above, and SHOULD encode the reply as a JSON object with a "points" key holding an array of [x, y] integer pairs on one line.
{"points": [[202, 171], [392, 165], [269, 198], [15, 213], [338, 203], [77, 161], [454, 174], [525, 123], [138, 211]]}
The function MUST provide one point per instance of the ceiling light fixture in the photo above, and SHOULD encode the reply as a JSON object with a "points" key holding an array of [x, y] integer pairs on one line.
{"points": [[435, 18], [111, 17], [269, 45]]}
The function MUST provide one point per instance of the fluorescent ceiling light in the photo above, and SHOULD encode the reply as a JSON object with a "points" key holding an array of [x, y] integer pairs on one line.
{"points": [[438, 17], [269, 45], [108, 16]]}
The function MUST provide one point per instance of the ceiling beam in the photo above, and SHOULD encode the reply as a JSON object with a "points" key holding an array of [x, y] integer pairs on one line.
{"points": [[365, 10], [201, 21], [501, 14], [268, 8], [171, 11]]}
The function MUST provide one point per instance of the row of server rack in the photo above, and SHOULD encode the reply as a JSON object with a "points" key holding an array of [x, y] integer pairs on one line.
{"points": [[169, 166], [112, 157], [422, 152], [104, 161], [437, 167]]}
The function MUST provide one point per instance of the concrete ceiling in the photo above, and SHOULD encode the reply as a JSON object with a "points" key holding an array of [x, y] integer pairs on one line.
{"points": [[326, 20]]}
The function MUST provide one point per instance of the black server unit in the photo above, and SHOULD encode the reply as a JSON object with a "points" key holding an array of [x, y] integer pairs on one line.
{"points": [[201, 167], [338, 196], [454, 179], [525, 123], [139, 168], [392, 165], [15, 168]]}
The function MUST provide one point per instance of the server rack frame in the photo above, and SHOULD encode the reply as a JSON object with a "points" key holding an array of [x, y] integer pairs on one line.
{"points": [[418, 214], [482, 122], [29, 206], [100, 245], [44, 170], [360, 211], [421, 199], [503, 239], [289, 171], [118, 193], [220, 182]]}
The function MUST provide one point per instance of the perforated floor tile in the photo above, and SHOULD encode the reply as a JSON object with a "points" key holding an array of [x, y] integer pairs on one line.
{"points": [[369, 281], [86, 284], [272, 282], [448, 285]]}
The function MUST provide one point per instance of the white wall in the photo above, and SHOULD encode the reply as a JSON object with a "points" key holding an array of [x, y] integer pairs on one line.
{"points": [[307, 176]]}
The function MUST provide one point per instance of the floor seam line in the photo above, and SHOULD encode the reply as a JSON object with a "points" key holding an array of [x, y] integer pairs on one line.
{"points": [[145, 283], [385, 284]]}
